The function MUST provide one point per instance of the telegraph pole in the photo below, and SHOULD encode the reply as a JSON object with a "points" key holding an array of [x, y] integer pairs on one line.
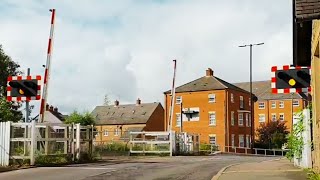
{"points": [[27, 103]]}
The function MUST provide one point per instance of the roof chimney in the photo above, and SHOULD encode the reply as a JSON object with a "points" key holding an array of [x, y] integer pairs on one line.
{"points": [[55, 109], [209, 72], [116, 103], [51, 108], [138, 102], [47, 107]]}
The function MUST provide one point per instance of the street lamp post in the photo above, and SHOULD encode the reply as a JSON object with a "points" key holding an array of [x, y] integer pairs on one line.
{"points": [[251, 95]]}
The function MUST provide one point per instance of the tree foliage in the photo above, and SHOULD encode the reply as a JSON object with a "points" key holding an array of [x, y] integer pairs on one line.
{"points": [[272, 134], [9, 111], [76, 117]]}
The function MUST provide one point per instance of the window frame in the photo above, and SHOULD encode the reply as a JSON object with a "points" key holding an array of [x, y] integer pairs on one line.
{"points": [[104, 132], [280, 116], [281, 102], [215, 118], [178, 116], [210, 97], [241, 135], [215, 139], [240, 124], [295, 105], [274, 114], [116, 132], [232, 118], [260, 107], [247, 119], [241, 102], [232, 98], [232, 140], [180, 99], [273, 103], [264, 115]]}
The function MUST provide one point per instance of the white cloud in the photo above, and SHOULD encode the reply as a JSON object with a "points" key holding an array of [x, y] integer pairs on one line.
{"points": [[126, 48]]}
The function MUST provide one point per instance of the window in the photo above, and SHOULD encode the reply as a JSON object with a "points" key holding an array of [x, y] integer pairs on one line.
{"points": [[178, 99], [273, 117], [232, 118], [262, 118], [232, 140], [295, 102], [178, 119], [281, 116], [116, 131], [231, 97], [212, 139], [241, 140], [248, 141], [273, 104], [281, 104], [261, 105], [240, 119], [249, 101], [212, 98], [241, 102], [105, 133], [212, 118], [247, 119]]}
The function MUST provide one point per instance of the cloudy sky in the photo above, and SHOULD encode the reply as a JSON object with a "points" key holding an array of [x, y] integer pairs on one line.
{"points": [[125, 48]]}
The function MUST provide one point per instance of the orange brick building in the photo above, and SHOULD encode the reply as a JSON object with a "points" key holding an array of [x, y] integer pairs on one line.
{"points": [[213, 108], [114, 122], [272, 107]]}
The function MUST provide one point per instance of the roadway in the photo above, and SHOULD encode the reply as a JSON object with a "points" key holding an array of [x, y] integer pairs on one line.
{"points": [[128, 168]]}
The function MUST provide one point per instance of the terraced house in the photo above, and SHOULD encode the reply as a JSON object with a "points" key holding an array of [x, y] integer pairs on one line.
{"points": [[213, 108], [114, 122], [272, 107]]}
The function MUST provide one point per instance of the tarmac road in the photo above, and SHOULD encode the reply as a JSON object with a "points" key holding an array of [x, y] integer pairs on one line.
{"points": [[148, 168]]}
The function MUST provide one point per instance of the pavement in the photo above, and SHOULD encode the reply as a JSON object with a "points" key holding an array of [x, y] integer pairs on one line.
{"points": [[142, 168], [279, 169]]}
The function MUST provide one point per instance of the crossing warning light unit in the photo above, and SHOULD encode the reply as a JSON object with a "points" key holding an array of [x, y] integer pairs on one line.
{"points": [[290, 79], [25, 88]]}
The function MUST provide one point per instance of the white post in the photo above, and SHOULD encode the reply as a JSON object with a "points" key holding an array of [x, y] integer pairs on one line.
{"points": [[306, 151], [78, 141], [171, 141], [33, 143]]}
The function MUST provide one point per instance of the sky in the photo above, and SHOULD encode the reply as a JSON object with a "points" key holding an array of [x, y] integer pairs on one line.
{"points": [[125, 49]]}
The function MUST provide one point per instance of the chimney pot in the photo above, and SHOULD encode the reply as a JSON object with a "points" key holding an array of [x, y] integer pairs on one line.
{"points": [[47, 107], [55, 109], [116, 103], [51, 108], [138, 102], [209, 72]]}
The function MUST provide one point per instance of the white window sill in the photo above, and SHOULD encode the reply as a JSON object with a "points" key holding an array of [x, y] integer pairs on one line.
{"points": [[212, 125]]}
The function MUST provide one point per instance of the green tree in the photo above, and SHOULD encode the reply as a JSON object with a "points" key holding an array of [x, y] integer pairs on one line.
{"points": [[9, 111], [76, 117], [272, 135]]}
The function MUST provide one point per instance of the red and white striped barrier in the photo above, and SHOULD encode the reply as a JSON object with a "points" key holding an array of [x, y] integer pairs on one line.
{"points": [[286, 90], [9, 88], [47, 70]]}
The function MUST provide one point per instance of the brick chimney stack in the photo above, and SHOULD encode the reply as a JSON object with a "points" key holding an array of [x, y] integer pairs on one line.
{"points": [[51, 108], [138, 102], [55, 109], [209, 72], [47, 107]]}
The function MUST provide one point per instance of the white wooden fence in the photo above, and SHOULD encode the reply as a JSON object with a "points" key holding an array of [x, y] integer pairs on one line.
{"points": [[4, 143], [27, 140]]}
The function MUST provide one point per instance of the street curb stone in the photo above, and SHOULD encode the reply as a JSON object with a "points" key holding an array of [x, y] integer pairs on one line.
{"points": [[216, 177]]}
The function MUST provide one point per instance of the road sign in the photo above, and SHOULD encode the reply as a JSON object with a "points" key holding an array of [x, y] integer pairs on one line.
{"points": [[288, 79], [25, 88]]}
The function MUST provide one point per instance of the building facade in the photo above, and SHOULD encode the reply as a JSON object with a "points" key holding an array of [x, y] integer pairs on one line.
{"points": [[115, 122], [273, 107], [216, 110]]}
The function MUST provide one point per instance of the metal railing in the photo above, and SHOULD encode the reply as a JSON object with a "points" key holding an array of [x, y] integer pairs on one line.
{"points": [[255, 151]]}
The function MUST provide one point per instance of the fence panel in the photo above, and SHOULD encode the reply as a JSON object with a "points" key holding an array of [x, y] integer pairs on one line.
{"points": [[4, 143]]}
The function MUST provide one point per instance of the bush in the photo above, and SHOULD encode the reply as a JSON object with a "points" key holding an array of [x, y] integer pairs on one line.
{"points": [[53, 160]]}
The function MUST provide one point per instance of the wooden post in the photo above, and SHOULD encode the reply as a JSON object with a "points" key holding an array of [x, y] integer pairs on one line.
{"points": [[78, 142], [46, 143], [315, 85], [72, 142], [144, 144], [33, 143], [66, 129]]}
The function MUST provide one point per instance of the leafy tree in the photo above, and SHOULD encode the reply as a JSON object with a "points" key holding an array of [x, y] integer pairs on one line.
{"points": [[84, 119], [272, 134], [9, 111]]}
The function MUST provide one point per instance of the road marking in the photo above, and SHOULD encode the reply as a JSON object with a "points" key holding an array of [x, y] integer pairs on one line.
{"points": [[251, 171], [78, 167]]}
